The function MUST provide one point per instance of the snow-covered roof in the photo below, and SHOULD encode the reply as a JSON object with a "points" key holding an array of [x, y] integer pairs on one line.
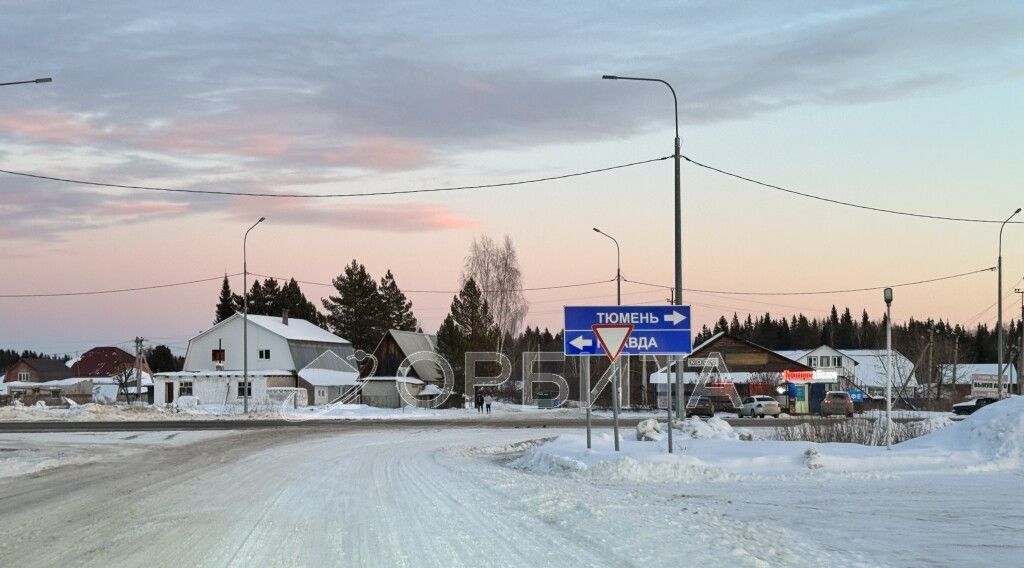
{"points": [[793, 354], [296, 329], [410, 380], [871, 367], [329, 377], [221, 374], [965, 370], [431, 390]]}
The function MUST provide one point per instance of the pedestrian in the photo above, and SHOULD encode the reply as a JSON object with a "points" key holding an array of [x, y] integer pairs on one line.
{"points": [[488, 401], [479, 401]]}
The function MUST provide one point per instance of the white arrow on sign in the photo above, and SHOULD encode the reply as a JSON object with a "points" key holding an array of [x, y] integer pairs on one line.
{"points": [[675, 317], [580, 343]]}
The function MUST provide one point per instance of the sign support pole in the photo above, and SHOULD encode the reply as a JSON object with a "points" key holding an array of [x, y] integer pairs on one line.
{"points": [[668, 408], [585, 371], [615, 402]]}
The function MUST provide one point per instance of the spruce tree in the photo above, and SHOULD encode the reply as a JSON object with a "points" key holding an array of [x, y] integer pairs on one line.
{"points": [[225, 303], [396, 309], [292, 299], [355, 313]]}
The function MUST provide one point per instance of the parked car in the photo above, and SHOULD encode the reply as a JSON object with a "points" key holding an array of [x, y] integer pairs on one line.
{"points": [[702, 406], [837, 403], [970, 406], [759, 406]]}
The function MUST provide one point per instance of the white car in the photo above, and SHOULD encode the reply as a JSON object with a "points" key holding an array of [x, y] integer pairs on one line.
{"points": [[759, 406]]}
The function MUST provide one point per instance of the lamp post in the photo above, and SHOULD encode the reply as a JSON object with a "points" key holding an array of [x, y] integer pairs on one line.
{"points": [[999, 300], [888, 368], [39, 80], [678, 296], [245, 319], [618, 362], [618, 266]]}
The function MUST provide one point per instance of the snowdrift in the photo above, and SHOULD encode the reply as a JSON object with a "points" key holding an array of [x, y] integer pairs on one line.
{"points": [[995, 432], [990, 440]]}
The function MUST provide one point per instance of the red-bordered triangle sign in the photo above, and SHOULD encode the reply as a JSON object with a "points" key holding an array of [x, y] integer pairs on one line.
{"points": [[612, 337]]}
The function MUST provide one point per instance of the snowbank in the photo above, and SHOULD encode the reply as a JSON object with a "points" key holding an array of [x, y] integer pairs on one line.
{"points": [[992, 439], [995, 433]]}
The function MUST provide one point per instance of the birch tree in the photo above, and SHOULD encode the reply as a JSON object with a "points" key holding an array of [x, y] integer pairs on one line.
{"points": [[495, 269]]}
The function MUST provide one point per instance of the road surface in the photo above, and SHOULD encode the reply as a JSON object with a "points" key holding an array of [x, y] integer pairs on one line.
{"points": [[432, 497], [502, 421]]}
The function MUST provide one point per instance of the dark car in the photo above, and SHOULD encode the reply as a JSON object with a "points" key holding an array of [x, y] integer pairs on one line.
{"points": [[837, 403], [701, 406], [970, 406]]}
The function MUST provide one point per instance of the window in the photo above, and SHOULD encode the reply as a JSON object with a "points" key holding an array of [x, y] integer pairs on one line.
{"points": [[264, 354], [837, 362], [812, 361], [23, 376], [218, 356], [185, 388], [244, 389]]}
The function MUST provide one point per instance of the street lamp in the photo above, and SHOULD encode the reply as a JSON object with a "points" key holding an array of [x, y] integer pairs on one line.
{"points": [[678, 297], [999, 300], [245, 319], [618, 362], [39, 80], [887, 294], [618, 266]]}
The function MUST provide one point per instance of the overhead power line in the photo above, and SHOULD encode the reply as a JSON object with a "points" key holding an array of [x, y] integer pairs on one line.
{"points": [[114, 290], [329, 195], [533, 289], [821, 292], [841, 202], [213, 278], [524, 289]]}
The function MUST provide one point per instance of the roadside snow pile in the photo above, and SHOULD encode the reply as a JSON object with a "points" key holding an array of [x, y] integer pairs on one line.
{"points": [[639, 461], [995, 432], [713, 429], [81, 413]]}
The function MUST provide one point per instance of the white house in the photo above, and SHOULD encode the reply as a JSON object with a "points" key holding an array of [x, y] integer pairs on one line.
{"points": [[280, 349], [857, 368]]}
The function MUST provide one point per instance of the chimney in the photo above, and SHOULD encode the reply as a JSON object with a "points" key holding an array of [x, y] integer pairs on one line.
{"points": [[284, 317]]}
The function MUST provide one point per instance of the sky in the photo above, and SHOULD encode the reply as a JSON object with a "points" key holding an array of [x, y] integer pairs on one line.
{"points": [[904, 105]]}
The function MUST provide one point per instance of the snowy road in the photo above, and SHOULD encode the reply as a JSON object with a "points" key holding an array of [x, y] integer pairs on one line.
{"points": [[427, 497]]}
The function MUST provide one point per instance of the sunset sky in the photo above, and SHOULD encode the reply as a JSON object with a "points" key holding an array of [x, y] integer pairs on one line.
{"points": [[906, 105]]}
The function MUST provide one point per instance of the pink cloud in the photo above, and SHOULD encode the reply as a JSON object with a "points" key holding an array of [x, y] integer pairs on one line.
{"points": [[131, 209], [393, 218], [380, 153], [49, 126]]}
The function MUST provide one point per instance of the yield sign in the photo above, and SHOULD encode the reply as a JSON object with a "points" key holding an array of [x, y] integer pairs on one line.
{"points": [[613, 337]]}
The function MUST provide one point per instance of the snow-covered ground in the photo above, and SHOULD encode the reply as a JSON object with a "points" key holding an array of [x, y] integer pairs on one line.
{"points": [[22, 454], [121, 412], [437, 496]]}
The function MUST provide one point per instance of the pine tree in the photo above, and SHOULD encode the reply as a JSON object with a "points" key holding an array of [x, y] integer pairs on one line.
{"points": [[396, 308], [469, 327], [225, 303], [355, 313], [292, 299]]}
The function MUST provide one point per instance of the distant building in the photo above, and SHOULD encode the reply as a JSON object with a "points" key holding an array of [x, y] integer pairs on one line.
{"points": [[396, 346], [861, 369], [31, 370], [105, 362], [283, 354]]}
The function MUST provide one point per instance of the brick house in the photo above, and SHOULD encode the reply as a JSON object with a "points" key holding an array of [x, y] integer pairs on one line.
{"points": [[31, 370]]}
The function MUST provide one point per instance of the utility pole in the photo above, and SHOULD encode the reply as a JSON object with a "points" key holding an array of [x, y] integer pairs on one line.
{"points": [[956, 358], [1020, 354], [138, 369], [888, 368], [931, 351]]}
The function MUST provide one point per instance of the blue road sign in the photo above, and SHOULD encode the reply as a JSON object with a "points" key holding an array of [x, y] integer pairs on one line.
{"points": [[657, 330], [856, 395]]}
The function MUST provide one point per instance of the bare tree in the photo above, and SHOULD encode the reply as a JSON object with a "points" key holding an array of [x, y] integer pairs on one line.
{"points": [[495, 268], [125, 379]]}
